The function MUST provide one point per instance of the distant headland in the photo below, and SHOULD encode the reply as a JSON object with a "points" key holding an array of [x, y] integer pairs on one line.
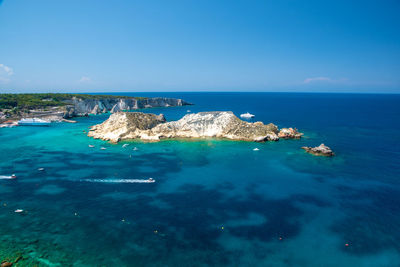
{"points": [[58, 107]]}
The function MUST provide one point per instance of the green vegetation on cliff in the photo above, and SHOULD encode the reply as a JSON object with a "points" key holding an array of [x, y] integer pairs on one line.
{"points": [[31, 101]]}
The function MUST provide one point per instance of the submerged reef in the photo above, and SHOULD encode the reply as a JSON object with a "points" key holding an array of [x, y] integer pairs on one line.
{"points": [[216, 124]]}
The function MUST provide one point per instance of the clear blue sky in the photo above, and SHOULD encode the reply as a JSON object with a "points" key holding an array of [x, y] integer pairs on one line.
{"points": [[127, 45]]}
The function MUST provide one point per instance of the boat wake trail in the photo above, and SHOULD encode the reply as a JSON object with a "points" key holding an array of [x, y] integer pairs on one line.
{"points": [[6, 177], [129, 181]]}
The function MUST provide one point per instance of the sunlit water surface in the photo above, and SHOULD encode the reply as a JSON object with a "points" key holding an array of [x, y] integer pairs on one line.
{"points": [[214, 202]]}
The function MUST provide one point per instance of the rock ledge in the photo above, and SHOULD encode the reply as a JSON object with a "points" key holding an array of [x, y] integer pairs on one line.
{"points": [[321, 150]]}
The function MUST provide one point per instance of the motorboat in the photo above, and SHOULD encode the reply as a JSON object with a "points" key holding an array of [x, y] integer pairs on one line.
{"points": [[103, 148], [256, 149], [247, 115], [33, 122], [125, 145], [91, 145]]}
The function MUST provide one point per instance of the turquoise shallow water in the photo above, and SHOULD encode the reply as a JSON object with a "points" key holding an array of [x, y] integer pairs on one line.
{"points": [[214, 202]]}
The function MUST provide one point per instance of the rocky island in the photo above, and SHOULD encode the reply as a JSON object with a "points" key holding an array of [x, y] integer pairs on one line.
{"points": [[321, 150], [58, 107], [217, 124]]}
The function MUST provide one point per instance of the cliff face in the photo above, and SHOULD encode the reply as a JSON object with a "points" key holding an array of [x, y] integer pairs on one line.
{"points": [[221, 124], [79, 107], [126, 125]]}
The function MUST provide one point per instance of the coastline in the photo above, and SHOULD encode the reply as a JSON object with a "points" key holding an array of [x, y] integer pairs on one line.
{"points": [[49, 107]]}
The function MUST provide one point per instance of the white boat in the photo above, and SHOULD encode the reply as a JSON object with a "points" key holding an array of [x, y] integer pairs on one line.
{"points": [[247, 115], [33, 122], [125, 145], [256, 149], [135, 148], [188, 111], [91, 145], [18, 210], [103, 148]]}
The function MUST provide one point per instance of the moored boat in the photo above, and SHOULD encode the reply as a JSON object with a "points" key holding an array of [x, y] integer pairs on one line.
{"points": [[33, 122]]}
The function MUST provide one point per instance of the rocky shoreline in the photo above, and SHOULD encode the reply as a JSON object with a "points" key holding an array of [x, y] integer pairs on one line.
{"points": [[78, 107], [84, 107], [217, 124]]}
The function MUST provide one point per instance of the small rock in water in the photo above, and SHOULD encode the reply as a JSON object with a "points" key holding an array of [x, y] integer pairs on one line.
{"points": [[321, 150], [6, 264]]}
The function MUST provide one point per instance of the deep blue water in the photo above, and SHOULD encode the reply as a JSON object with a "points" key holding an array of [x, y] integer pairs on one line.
{"points": [[214, 203]]}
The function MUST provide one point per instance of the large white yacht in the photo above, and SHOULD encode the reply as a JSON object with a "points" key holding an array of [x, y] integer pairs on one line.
{"points": [[33, 122]]}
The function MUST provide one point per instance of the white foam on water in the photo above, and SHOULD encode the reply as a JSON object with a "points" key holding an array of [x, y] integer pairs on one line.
{"points": [[129, 181], [6, 177]]}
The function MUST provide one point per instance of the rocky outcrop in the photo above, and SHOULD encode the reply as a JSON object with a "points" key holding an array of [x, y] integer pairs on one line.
{"points": [[6, 264], [81, 107], [321, 150], [289, 133], [115, 108], [218, 124], [96, 110]]}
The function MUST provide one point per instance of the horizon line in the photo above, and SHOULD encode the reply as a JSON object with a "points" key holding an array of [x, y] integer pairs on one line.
{"points": [[144, 92]]}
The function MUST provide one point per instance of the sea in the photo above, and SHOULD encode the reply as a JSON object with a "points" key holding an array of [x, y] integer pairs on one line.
{"points": [[213, 202]]}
